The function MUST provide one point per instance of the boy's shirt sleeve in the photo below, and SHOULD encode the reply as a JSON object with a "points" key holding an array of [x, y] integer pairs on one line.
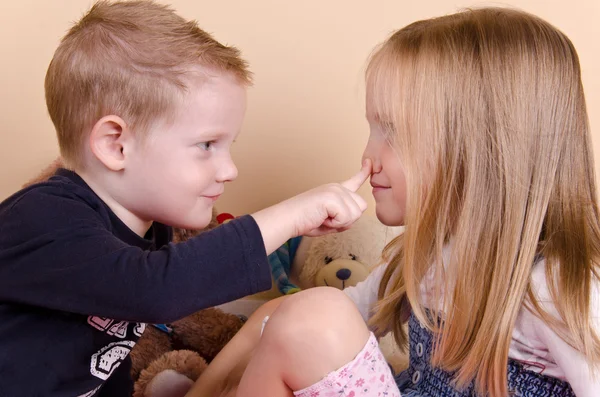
{"points": [[64, 257]]}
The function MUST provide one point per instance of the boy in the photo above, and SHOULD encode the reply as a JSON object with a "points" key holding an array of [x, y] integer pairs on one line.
{"points": [[146, 106]]}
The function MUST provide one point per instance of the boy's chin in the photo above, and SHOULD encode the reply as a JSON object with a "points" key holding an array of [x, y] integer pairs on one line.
{"points": [[197, 223]]}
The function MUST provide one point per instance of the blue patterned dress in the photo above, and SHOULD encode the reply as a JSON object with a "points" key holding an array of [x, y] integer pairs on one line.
{"points": [[420, 379]]}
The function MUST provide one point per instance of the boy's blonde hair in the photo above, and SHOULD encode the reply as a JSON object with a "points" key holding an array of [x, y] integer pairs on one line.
{"points": [[487, 112], [132, 59]]}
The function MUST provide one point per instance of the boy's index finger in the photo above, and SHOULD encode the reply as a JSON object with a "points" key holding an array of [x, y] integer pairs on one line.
{"points": [[356, 181]]}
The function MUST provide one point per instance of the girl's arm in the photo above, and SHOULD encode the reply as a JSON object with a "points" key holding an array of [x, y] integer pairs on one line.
{"points": [[576, 369]]}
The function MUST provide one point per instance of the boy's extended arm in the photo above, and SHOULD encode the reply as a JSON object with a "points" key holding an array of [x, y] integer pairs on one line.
{"points": [[72, 262], [58, 252]]}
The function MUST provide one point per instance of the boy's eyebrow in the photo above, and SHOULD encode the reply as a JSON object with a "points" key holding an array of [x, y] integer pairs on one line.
{"points": [[213, 135], [209, 134]]}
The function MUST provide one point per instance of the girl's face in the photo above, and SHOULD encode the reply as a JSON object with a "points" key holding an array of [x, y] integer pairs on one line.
{"points": [[388, 179]]}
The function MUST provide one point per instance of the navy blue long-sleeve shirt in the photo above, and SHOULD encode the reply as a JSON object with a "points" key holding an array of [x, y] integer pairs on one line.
{"points": [[77, 286]]}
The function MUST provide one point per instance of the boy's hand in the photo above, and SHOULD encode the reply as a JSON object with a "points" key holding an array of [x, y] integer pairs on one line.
{"points": [[329, 208], [333, 207]]}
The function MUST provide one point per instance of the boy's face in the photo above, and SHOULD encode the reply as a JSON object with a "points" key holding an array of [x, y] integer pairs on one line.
{"points": [[180, 170]]}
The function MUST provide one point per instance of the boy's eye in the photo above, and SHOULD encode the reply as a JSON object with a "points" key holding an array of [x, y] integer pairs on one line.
{"points": [[205, 145]]}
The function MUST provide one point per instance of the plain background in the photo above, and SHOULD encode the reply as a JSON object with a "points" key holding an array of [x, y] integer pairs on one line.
{"points": [[305, 122]]}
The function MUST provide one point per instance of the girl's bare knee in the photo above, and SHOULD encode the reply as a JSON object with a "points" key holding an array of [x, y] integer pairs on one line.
{"points": [[318, 330]]}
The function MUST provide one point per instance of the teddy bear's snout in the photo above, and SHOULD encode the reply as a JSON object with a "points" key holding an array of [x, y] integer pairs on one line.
{"points": [[343, 274]]}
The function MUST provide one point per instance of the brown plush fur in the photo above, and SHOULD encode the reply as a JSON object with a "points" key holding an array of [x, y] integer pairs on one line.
{"points": [[46, 172], [185, 362], [207, 331], [152, 344]]}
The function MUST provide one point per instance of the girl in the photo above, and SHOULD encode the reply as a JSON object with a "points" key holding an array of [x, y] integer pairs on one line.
{"points": [[480, 146]]}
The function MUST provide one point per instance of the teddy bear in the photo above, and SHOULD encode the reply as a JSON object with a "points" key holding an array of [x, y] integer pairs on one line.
{"points": [[182, 348], [182, 351], [338, 260], [343, 259]]}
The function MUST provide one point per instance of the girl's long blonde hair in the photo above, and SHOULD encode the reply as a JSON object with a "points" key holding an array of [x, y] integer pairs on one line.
{"points": [[487, 113]]}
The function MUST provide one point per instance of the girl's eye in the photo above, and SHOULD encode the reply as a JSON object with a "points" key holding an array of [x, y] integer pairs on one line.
{"points": [[205, 145]]}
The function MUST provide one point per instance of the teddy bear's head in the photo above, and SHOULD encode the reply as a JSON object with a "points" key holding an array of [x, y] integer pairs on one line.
{"points": [[344, 259]]}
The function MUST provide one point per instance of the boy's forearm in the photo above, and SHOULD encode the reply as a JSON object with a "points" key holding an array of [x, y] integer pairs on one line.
{"points": [[276, 226]]}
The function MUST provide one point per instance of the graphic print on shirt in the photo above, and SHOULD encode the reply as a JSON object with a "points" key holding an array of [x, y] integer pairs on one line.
{"points": [[109, 358], [139, 329], [112, 328], [105, 361]]}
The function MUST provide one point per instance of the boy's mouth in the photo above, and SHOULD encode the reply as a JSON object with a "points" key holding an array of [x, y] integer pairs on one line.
{"points": [[213, 198]]}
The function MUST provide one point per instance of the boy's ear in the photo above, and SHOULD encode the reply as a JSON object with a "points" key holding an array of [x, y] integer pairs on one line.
{"points": [[107, 141]]}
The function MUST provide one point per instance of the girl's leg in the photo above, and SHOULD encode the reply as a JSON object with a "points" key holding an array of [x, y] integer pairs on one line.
{"points": [[311, 334], [225, 371]]}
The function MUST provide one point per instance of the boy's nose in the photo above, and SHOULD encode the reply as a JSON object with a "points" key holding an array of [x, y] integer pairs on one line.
{"points": [[227, 171]]}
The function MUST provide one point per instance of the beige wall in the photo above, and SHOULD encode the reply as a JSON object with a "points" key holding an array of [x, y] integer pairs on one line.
{"points": [[305, 115]]}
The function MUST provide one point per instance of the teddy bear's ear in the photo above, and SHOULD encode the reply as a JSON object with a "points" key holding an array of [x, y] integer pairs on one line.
{"points": [[214, 222], [46, 172], [180, 235]]}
